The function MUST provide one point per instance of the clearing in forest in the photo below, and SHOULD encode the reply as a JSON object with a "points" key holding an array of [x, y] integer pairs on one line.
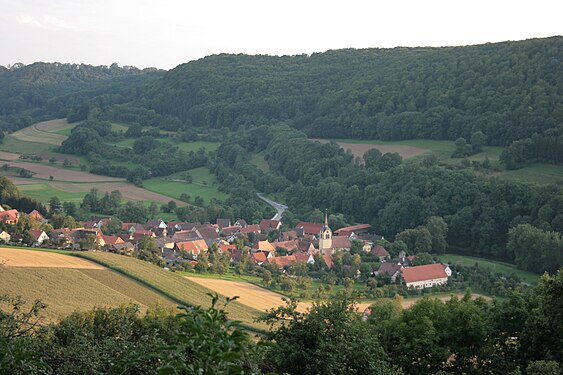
{"points": [[358, 149], [44, 171]]}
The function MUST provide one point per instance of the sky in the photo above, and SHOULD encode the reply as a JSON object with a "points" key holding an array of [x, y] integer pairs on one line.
{"points": [[166, 33]]}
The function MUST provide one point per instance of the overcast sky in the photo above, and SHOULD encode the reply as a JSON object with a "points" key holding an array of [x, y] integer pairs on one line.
{"points": [[165, 33]]}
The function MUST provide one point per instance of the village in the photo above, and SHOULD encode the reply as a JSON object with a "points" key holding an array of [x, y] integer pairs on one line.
{"points": [[177, 244]]}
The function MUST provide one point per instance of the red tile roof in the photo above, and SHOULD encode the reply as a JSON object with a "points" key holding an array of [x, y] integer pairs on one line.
{"points": [[310, 228], [259, 257], [426, 272], [255, 228], [304, 257], [341, 242], [194, 246], [353, 228], [379, 251], [267, 224], [288, 245], [328, 260], [112, 240], [35, 233], [282, 261]]}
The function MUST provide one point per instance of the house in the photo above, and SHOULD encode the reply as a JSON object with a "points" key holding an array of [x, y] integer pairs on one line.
{"points": [[156, 224], [288, 236], [61, 237], [380, 252], [307, 229], [131, 227], [241, 223], [111, 240], [207, 231], [348, 231], [390, 268], [341, 243], [426, 276], [9, 217], [193, 247], [304, 257], [36, 215], [126, 248], [282, 262], [259, 258], [306, 247], [328, 260], [264, 246], [223, 223], [230, 233], [267, 225], [5, 236], [255, 229], [38, 236], [290, 246]]}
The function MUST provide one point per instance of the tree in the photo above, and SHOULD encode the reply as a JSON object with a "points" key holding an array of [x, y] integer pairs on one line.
{"points": [[461, 148], [55, 205], [478, 140], [371, 157], [266, 277], [330, 339], [417, 240], [438, 229], [422, 259]]}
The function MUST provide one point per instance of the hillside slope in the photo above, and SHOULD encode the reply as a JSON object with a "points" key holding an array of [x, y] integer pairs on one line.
{"points": [[507, 90]]}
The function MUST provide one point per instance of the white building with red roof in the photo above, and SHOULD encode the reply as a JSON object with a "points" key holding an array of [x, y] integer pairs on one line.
{"points": [[426, 276]]}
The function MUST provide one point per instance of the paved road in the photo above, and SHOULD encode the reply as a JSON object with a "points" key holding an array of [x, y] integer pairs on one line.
{"points": [[280, 208]]}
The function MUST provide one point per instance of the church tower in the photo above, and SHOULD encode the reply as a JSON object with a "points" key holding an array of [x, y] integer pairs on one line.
{"points": [[325, 239]]}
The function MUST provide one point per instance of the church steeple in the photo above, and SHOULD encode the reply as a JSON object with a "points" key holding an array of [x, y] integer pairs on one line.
{"points": [[325, 237]]}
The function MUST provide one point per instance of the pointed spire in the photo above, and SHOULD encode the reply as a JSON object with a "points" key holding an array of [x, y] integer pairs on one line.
{"points": [[326, 217]]}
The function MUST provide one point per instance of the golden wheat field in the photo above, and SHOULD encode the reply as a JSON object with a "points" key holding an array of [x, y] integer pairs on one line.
{"points": [[67, 290], [15, 257]]}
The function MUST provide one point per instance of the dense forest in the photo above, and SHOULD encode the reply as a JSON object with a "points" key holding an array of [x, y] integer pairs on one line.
{"points": [[506, 90], [48, 90]]}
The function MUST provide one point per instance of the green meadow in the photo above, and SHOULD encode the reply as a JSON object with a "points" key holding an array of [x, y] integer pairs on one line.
{"points": [[493, 265], [174, 185]]}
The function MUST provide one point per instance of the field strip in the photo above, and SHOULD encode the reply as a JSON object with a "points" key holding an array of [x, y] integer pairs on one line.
{"points": [[5, 155], [249, 294], [53, 125], [44, 171], [358, 149], [12, 257], [128, 191]]}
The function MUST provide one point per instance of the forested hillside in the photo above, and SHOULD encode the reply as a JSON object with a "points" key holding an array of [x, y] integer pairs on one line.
{"points": [[48, 90], [509, 91]]}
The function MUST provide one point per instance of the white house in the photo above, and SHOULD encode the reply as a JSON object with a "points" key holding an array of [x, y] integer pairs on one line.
{"points": [[426, 276]]}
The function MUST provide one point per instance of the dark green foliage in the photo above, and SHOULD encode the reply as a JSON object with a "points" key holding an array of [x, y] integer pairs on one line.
{"points": [[54, 90], [535, 249], [330, 339], [507, 90]]}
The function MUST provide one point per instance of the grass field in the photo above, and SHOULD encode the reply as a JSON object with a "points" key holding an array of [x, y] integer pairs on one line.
{"points": [[259, 161], [184, 146], [171, 284], [495, 266], [202, 185], [13, 144]]}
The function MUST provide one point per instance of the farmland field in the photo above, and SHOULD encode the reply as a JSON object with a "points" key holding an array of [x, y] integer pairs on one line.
{"points": [[493, 265], [66, 283], [171, 284], [12, 144], [14, 257], [43, 171], [249, 294], [358, 148], [44, 132]]}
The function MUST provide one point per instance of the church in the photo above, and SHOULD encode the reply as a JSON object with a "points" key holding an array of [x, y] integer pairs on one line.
{"points": [[329, 244]]}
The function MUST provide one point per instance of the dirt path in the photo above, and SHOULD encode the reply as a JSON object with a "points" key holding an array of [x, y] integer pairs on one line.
{"points": [[358, 149], [5, 155], [13, 257]]}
